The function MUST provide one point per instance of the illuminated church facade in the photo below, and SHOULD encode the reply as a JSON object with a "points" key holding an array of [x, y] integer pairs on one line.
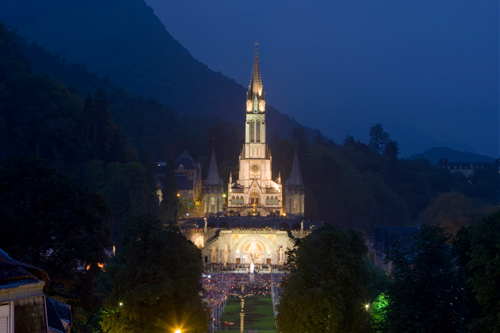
{"points": [[255, 192], [253, 227]]}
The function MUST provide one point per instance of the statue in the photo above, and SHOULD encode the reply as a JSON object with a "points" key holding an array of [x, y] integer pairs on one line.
{"points": [[252, 266], [281, 256], [226, 255]]}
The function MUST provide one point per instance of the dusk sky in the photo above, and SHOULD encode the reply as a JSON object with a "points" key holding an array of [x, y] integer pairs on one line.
{"points": [[428, 71]]}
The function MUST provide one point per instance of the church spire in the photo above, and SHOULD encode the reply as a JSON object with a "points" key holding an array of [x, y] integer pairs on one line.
{"points": [[255, 94], [295, 176], [256, 80], [213, 173]]}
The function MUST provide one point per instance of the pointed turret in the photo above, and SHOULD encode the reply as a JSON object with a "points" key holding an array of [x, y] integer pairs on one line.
{"points": [[294, 190], [255, 94], [213, 173], [295, 176], [214, 202]]}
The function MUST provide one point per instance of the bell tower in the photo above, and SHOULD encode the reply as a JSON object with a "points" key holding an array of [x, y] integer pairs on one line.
{"points": [[254, 192], [255, 128]]}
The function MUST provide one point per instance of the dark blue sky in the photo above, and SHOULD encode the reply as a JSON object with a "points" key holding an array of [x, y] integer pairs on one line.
{"points": [[427, 70]]}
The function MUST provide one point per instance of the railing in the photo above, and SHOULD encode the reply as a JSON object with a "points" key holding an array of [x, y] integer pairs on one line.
{"points": [[253, 231], [213, 238]]}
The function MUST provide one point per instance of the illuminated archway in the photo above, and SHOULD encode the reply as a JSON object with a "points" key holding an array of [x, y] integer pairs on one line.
{"points": [[199, 241]]}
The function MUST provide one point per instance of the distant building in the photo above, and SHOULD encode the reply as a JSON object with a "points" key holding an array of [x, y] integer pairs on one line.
{"points": [[23, 305], [187, 176], [467, 168]]}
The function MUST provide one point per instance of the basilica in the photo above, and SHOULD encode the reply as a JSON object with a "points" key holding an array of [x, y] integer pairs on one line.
{"points": [[254, 192], [259, 218]]}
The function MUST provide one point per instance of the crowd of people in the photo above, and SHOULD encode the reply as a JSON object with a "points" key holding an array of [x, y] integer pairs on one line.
{"points": [[244, 268], [219, 286]]}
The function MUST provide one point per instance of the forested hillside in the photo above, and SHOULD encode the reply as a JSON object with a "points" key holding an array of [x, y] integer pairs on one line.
{"points": [[41, 118], [125, 42]]}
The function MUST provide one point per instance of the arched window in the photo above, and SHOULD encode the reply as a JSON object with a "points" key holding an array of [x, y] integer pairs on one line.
{"points": [[252, 129]]}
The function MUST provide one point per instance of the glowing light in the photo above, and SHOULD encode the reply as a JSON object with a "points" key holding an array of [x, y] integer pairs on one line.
{"points": [[178, 195], [120, 304], [177, 331], [367, 306]]}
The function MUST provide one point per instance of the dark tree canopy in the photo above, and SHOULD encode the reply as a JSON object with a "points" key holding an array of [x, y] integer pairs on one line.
{"points": [[50, 222], [156, 282], [326, 288], [478, 250], [426, 294], [170, 204], [379, 139]]}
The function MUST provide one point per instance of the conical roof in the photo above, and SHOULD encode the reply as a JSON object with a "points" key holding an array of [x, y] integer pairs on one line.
{"points": [[213, 173], [256, 81], [295, 176]]}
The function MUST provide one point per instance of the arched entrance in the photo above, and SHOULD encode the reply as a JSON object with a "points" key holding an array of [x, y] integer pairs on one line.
{"points": [[253, 252], [256, 249], [254, 198]]}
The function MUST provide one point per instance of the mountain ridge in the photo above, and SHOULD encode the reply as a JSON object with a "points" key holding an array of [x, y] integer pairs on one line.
{"points": [[126, 42], [436, 153]]}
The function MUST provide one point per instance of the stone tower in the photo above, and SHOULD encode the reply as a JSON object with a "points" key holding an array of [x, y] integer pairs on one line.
{"points": [[255, 193], [294, 190], [213, 188]]}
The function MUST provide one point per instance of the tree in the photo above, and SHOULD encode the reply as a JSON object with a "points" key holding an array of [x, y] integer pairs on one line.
{"points": [[378, 138], [325, 289], [484, 184], [391, 149], [170, 204], [156, 282], [50, 222], [103, 129], [426, 294], [453, 211], [125, 187], [478, 253]]}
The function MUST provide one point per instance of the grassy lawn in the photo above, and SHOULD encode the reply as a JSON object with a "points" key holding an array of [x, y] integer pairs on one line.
{"points": [[258, 314]]}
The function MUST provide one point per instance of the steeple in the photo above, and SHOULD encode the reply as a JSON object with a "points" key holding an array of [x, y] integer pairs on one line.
{"points": [[295, 176], [256, 80], [255, 94], [213, 173], [294, 190]]}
